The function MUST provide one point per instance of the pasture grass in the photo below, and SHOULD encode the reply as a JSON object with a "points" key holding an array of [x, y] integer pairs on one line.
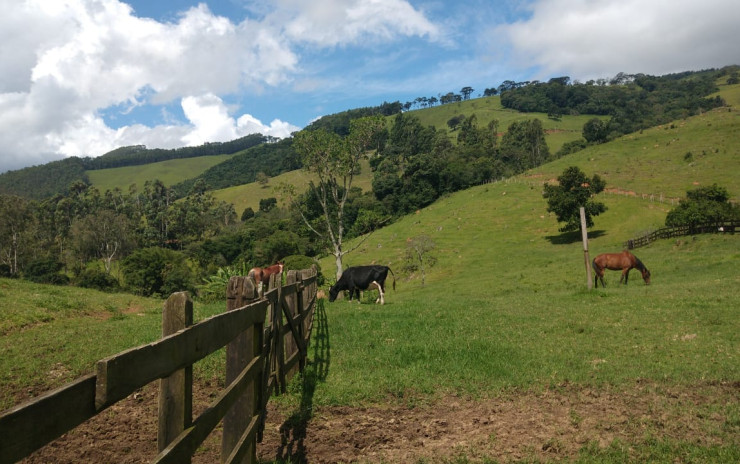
{"points": [[170, 172], [52, 335]]}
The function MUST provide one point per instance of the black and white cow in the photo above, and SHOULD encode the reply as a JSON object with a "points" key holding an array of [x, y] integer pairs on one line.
{"points": [[359, 278]]}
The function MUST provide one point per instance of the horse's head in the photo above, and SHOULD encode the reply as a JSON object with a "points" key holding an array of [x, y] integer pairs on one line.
{"points": [[645, 275]]}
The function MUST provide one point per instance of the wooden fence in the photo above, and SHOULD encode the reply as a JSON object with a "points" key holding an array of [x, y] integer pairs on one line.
{"points": [[680, 231], [259, 361]]}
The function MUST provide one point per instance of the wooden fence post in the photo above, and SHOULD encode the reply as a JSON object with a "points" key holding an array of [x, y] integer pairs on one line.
{"points": [[291, 309], [584, 233], [239, 353], [175, 391]]}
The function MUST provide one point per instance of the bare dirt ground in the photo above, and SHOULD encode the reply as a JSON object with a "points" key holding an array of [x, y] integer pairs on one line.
{"points": [[552, 424]]}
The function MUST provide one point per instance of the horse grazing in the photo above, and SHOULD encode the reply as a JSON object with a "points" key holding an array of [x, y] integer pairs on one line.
{"points": [[623, 261], [261, 275]]}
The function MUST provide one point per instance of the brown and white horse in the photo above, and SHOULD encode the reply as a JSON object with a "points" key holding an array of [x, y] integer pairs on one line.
{"points": [[261, 275], [623, 261]]}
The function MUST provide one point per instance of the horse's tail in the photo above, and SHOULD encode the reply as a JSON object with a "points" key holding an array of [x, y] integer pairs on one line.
{"points": [[593, 265], [394, 278]]}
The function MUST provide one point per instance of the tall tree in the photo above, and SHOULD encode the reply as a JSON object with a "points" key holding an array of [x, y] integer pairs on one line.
{"points": [[15, 219], [573, 191], [105, 235], [335, 162]]}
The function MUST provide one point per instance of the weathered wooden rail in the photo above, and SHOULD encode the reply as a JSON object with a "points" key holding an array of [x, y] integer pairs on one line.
{"points": [[680, 231], [265, 341]]}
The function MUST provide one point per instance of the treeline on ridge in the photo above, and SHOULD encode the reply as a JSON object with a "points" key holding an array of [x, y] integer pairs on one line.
{"points": [[138, 154], [634, 101]]}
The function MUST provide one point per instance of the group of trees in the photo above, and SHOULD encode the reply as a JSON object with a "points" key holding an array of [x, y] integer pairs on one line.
{"points": [[631, 101], [412, 166], [85, 226], [449, 97]]}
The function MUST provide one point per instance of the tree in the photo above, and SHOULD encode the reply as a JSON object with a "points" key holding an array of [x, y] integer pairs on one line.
{"points": [[267, 204], [523, 146], [15, 219], [335, 162], [105, 235], [418, 255], [466, 91], [705, 205], [262, 179], [574, 190], [157, 271], [595, 130]]}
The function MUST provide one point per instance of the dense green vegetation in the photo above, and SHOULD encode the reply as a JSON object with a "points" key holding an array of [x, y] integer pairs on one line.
{"points": [[39, 182], [633, 102], [139, 154]]}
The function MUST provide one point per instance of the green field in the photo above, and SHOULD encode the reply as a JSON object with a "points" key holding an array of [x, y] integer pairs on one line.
{"points": [[504, 311], [170, 172]]}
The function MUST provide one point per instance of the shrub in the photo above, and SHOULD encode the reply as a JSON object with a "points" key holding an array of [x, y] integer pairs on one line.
{"points": [[97, 279], [705, 205], [4, 270], [298, 262], [157, 271], [45, 271], [214, 286]]}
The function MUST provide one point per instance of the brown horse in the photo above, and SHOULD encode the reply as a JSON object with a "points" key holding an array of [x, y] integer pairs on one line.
{"points": [[623, 261], [261, 275]]}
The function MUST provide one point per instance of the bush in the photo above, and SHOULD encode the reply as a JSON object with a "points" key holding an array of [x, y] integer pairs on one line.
{"points": [[214, 286], [97, 279], [298, 262], [705, 205], [45, 271], [4, 270], [157, 272]]}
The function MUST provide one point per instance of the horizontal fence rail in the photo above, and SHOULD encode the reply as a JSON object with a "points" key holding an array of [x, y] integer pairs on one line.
{"points": [[680, 231], [266, 343]]}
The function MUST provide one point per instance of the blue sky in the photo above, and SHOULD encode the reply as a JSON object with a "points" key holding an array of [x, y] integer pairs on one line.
{"points": [[82, 77]]}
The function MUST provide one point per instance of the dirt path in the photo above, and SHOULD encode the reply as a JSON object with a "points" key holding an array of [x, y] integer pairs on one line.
{"points": [[552, 424]]}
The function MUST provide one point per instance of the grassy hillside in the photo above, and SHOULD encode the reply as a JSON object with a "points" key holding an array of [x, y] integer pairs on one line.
{"points": [[170, 172], [666, 160], [249, 195], [559, 131]]}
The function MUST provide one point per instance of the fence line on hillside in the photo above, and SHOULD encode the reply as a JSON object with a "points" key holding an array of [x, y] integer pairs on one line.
{"points": [[725, 227], [259, 362]]}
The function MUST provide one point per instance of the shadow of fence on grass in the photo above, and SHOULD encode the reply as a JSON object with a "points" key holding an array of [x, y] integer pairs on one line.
{"points": [[293, 431]]}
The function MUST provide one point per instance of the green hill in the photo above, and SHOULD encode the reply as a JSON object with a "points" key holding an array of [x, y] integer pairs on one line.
{"points": [[559, 131], [170, 172]]}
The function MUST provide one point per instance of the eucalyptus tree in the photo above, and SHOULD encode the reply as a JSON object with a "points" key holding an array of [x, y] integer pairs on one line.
{"points": [[16, 218], [335, 162]]}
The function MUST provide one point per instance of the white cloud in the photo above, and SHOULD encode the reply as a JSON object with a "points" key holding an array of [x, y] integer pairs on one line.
{"points": [[599, 38], [65, 62], [342, 22]]}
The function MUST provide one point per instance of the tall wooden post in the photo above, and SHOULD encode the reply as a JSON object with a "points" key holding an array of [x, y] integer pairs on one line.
{"points": [[584, 233], [175, 391], [239, 353], [291, 309]]}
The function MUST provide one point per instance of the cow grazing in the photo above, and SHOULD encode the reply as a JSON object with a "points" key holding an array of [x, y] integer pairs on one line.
{"points": [[359, 278]]}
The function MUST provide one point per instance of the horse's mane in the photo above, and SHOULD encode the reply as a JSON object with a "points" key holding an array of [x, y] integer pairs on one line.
{"points": [[638, 264]]}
